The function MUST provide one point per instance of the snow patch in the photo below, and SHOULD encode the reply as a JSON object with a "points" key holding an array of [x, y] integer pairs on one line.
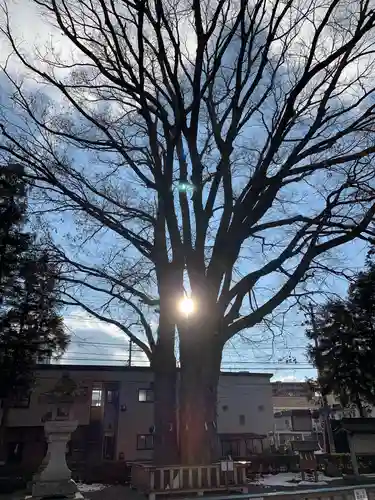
{"points": [[86, 488], [291, 479], [309, 483]]}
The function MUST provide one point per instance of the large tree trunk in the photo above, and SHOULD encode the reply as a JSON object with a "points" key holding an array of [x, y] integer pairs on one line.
{"points": [[200, 370], [3, 426], [165, 375]]}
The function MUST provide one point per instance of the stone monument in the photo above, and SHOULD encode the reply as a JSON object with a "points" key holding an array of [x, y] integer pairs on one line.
{"points": [[54, 478]]}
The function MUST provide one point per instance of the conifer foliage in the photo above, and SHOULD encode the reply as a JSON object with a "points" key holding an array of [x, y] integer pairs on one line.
{"points": [[344, 343], [31, 328]]}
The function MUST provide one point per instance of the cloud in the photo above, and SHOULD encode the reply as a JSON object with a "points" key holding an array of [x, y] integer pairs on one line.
{"points": [[83, 322], [98, 342]]}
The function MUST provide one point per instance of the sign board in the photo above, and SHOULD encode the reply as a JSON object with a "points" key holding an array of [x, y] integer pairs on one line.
{"points": [[227, 466], [360, 494]]}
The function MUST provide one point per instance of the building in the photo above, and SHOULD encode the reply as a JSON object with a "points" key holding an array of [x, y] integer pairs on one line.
{"points": [[295, 414], [115, 415]]}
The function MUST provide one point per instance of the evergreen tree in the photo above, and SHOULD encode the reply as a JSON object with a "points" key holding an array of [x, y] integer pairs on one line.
{"points": [[30, 326], [13, 242], [344, 342]]}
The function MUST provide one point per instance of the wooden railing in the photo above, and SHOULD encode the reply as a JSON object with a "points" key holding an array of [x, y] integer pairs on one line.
{"points": [[153, 480]]}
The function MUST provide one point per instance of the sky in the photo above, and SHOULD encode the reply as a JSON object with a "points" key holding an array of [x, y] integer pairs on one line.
{"points": [[94, 342]]}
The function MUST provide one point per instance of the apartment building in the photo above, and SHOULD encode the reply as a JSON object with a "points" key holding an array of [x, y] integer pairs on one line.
{"points": [[115, 415], [296, 416]]}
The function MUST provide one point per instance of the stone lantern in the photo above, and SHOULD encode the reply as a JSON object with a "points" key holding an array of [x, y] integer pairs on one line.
{"points": [[55, 478]]}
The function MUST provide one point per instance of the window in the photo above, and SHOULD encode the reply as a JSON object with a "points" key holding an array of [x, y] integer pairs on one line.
{"points": [[230, 447], [242, 419], [145, 395], [253, 445], [261, 407], [96, 397], [145, 442]]}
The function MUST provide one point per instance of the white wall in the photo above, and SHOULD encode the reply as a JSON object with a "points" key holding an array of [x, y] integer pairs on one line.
{"points": [[247, 395]]}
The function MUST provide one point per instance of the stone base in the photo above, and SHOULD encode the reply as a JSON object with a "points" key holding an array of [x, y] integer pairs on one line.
{"points": [[65, 488]]}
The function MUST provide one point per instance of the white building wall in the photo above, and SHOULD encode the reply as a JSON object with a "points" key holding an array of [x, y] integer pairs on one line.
{"points": [[244, 404]]}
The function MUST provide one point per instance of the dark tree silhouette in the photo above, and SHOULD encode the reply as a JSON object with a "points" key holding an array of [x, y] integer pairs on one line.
{"points": [[225, 148], [344, 344], [30, 326]]}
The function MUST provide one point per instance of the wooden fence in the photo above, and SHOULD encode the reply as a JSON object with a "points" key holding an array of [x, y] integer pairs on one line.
{"points": [[153, 480]]}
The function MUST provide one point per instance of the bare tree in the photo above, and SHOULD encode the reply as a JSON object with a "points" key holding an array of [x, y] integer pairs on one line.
{"points": [[201, 137]]}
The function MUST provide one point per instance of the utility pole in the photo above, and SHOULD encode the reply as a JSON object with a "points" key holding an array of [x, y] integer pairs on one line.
{"points": [[324, 405], [130, 352]]}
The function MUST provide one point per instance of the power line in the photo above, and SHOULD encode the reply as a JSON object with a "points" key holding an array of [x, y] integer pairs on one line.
{"points": [[135, 347], [232, 363]]}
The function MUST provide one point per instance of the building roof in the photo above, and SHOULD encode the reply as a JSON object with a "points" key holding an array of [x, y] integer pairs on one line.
{"points": [[123, 368]]}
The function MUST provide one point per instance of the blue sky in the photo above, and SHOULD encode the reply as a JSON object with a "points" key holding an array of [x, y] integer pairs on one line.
{"points": [[95, 342]]}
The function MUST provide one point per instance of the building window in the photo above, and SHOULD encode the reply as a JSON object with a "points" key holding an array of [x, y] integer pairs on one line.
{"points": [[230, 447], [261, 407], [96, 396], [145, 442], [253, 445], [242, 419], [145, 395]]}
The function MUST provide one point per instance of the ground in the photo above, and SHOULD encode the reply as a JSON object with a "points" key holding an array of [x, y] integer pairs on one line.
{"points": [[267, 484], [118, 492], [270, 483]]}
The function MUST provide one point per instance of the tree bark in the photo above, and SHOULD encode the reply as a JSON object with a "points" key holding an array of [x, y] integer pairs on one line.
{"points": [[199, 377], [3, 426], [165, 376]]}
